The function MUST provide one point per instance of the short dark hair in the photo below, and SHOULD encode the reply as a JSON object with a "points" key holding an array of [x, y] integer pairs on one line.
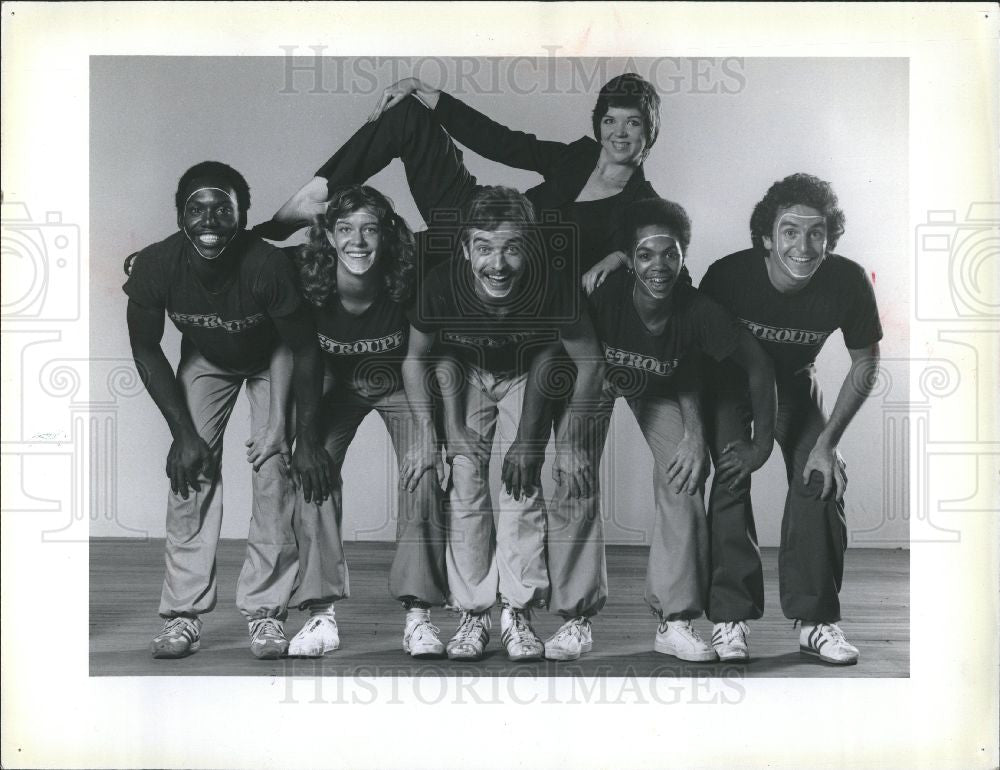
{"points": [[630, 90], [797, 190], [490, 207], [213, 170], [657, 211], [317, 260]]}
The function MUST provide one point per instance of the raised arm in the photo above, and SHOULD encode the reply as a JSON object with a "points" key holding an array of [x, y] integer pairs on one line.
{"points": [[471, 128], [854, 391], [739, 459], [572, 463], [189, 455], [311, 465]]}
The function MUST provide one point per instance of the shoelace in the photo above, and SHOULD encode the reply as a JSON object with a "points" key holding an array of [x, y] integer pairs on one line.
{"points": [[265, 627], [832, 632], [470, 629], [572, 629], [422, 627], [186, 627], [684, 627], [519, 627], [731, 632]]}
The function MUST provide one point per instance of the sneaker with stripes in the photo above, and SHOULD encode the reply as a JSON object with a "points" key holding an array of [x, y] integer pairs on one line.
{"points": [[179, 638], [472, 636], [517, 635], [730, 640], [267, 638], [827, 642]]}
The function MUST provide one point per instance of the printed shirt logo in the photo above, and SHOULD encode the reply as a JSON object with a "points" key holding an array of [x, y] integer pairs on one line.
{"points": [[492, 341], [360, 347], [789, 336], [649, 364], [213, 321]]}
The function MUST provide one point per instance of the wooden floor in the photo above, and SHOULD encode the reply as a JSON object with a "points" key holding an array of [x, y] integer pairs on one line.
{"points": [[125, 578]]}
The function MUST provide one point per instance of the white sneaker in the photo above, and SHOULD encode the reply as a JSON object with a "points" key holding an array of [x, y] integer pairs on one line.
{"points": [[179, 638], [827, 642], [573, 638], [318, 636], [420, 638], [680, 639], [472, 636], [730, 640], [518, 636], [267, 638]]}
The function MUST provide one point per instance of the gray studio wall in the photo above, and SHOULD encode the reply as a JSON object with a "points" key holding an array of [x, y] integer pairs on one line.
{"points": [[730, 128]]}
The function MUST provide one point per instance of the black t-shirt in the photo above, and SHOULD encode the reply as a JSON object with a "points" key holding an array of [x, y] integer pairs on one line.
{"points": [[793, 327], [231, 326], [364, 351], [642, 363], [473, 332]]}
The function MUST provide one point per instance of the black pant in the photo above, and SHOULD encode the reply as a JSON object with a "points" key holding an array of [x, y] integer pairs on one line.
{"points": [[435, 172], [813, 531]]}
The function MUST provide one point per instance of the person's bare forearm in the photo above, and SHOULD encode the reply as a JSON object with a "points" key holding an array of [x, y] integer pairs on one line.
{"points": [[452, 383], [534, 423], [160, 382], [307, 384], [416, 381], [689, 402], [280, 372], [584, 403], [854, 391]]}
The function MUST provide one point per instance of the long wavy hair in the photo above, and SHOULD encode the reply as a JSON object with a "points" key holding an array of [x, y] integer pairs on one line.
{"points": [[396, 260]]}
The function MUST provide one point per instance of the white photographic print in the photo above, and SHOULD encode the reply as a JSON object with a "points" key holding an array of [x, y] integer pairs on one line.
{"points": [[552, 355]]}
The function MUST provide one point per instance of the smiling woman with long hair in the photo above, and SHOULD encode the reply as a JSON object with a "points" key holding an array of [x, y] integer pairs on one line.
{"points": [[357, 273]]}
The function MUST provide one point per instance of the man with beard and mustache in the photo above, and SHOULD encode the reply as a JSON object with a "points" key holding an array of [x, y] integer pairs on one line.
{"points": [[494, 321], [232, 297], [791, 292]]}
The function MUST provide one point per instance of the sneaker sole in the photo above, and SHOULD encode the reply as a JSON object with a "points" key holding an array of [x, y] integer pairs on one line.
{"points": [[734, 657], [310, 654], [525, 658], [813, 653], [164, 653], [667, 649], [426, 654], [562, 655], [461, 656], [269, 653]]}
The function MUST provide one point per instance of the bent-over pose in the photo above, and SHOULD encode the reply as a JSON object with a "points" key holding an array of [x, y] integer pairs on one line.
{"points": [[357, 272], [791, 292], [233, 297], [654, 328], [492, 324]]}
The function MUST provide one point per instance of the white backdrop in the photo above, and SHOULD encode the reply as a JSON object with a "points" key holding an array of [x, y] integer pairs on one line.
{"points": [[730, 128]]}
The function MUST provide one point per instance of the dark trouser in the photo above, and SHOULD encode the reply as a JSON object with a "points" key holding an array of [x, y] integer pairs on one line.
{"points": [[813, 531], [437, 177]]}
